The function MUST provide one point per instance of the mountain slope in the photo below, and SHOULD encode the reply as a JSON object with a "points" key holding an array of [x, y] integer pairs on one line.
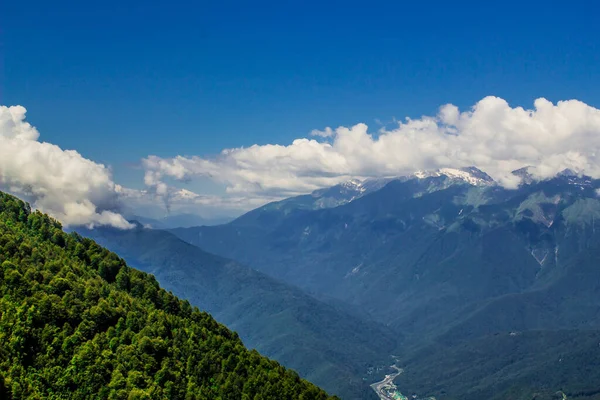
{"points": [[352, 251], [325, 344], [269, 214], [423, 245], [541, 365], [77, 322], [522, 345]]}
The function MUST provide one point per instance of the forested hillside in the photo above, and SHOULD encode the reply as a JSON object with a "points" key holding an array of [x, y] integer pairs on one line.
{"points": [[77, 322]]}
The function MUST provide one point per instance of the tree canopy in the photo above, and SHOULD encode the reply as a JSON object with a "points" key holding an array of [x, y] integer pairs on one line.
{"points": [[76, 322]]}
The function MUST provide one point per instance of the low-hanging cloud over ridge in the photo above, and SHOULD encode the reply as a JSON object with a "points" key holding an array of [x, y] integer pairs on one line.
{"points": [[492, 135], [71, 188]]}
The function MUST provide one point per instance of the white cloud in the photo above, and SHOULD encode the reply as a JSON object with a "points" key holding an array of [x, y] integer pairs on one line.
{"points": [[325, 133], [71, 188], [491, 135]]}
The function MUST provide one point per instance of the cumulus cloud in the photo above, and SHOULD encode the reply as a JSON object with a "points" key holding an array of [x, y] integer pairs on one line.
{"points": [[492, 135], [71, 188]]}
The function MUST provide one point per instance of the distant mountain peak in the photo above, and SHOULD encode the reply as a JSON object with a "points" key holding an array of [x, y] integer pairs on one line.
{"points": [[569, 172], [525, 174], [471, 175], [571, 176], [353, 184]]}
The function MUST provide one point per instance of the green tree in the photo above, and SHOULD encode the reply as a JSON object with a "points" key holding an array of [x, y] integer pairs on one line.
{"points": [[76, 322]]}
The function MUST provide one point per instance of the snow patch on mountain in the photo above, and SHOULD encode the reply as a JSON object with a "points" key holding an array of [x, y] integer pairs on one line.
{"points": [[470, 175], [353, 189], [354, 184], [348, 191]]}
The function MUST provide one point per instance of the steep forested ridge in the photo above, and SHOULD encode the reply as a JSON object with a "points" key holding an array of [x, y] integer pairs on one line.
{"points": [[77, 322]]}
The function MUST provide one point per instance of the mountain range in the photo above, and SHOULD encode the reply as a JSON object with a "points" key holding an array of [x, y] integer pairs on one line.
{"points": [[476, 290], [451, 261]]}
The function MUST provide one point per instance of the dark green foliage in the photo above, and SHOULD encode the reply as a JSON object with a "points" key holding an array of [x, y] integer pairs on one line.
{"points": [[76, 322]]}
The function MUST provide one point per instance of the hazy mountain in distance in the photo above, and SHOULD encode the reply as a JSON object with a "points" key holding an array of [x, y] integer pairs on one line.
{"points": [[319, 199], [415, 239], [178, 221], [347, 192]]}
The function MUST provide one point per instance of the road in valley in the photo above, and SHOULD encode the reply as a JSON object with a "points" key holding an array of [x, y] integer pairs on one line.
{"points": [[379, 387]]}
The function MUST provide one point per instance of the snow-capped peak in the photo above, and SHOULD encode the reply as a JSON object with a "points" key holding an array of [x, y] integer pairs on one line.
{"points": [[470, 175], [353, 184], [184, 194], [353, 189]]}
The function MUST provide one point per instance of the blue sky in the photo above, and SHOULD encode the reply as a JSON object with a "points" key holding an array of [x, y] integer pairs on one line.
{"points": [[120, 80]]}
